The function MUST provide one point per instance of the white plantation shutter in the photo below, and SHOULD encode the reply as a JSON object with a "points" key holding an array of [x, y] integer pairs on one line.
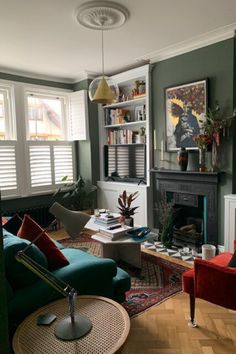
{"points": [[126, 160], [8, 180], [79, 115], [49, 163], [63, 163], [40, 165]]}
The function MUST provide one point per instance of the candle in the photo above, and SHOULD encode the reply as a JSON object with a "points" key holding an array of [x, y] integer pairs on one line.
{"points": [[154, 140], [162, 150]]}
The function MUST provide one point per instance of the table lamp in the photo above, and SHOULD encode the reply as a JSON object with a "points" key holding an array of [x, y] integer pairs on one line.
{"points": [[73, 326], [73, 221]]}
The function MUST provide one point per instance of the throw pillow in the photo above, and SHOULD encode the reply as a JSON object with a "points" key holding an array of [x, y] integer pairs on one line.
{"points": [[232, 262], [17, 274], [13, 224], [4, 220], [30, 230]]}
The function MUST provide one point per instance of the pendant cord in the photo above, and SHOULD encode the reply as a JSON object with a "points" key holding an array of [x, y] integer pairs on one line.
{"points": [[102, 53]]}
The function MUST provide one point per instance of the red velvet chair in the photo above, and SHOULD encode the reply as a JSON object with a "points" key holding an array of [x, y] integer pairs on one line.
{"points": [[212, 281]]}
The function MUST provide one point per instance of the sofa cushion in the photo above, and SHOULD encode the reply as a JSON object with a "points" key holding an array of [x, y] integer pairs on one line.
{"points": [[13, 224], [17, 274], [30, 230]]}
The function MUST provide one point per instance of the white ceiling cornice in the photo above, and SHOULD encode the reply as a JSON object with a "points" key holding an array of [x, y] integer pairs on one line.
{"points": [[197, 42], [35, 76]]}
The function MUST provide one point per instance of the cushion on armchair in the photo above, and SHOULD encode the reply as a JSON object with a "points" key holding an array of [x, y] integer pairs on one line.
{"points": [[30, 230]]}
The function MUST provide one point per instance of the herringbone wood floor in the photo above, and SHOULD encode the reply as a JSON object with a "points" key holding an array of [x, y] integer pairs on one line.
{"points": [[164, 328]]}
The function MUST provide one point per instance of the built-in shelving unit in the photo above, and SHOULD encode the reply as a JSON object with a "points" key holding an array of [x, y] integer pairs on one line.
{"points": [[125, 140]]}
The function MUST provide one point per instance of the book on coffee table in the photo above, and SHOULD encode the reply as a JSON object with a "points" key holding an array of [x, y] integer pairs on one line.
{"points": [[114, 234]]}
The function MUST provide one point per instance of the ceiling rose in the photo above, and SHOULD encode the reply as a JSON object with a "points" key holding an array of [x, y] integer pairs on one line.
{"points": [[93, 14]]}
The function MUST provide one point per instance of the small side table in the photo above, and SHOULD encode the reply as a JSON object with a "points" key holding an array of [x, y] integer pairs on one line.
{"points": [[111, 325]]}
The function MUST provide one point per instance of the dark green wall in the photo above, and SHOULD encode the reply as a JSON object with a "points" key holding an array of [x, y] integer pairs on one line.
{"points": [[215, 62], [89, 150]]}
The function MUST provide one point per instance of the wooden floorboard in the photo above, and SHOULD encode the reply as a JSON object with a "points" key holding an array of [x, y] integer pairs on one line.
{"points": [[164, 329]]}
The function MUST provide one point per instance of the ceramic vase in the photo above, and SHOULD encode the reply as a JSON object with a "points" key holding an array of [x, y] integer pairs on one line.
{"points": [[202, 160], [182, 157], [214, 156]]}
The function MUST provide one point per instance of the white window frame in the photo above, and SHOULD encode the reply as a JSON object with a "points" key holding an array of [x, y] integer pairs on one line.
{"points": [[46, 93], [9, 104], [18, 125]]}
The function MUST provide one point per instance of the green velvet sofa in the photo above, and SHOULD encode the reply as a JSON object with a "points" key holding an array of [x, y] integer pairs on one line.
{"points": [[86, 273]]}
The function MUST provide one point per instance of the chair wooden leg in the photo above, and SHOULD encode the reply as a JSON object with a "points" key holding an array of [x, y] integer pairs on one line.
{"points": [[192, 322]]}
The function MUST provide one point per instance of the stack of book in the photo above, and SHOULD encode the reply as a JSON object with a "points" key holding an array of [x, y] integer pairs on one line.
{"points": [[114, 234], [106, 220]]}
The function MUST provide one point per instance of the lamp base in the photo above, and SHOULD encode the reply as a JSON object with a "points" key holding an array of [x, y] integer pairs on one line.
{"points": [[67, 330]]}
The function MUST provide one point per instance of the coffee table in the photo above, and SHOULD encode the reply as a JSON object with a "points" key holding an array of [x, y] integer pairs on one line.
{"points": [[110, 328], [125, 249]]}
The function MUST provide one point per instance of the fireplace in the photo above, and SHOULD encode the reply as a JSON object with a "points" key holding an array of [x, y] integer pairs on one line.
{"points": [[194, 194]]}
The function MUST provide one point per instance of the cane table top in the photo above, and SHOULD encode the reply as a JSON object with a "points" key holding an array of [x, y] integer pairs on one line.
{"points": [[110, 328]]}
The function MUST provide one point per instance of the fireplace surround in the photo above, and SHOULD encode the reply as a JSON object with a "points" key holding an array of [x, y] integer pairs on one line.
{"points": [[195, 192]]}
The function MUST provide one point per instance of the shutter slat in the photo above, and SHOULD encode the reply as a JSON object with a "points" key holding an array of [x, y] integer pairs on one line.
{"points": [[40, 165], [63, 163], [8, 179]]}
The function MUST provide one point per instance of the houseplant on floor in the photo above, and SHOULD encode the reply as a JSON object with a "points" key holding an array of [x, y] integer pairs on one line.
{"points": [[78, 195], [126, 211]]}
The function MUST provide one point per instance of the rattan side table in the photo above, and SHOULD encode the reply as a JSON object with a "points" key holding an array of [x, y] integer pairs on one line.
{"points": [[111, 325]]}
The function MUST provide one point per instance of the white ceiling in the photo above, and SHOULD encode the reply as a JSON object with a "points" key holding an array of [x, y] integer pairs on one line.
{"points": [[43, 37]]}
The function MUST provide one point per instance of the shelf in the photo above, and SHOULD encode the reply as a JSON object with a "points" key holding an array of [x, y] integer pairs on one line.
{"points": [[138, 122], [140, 144], [126, 103]]}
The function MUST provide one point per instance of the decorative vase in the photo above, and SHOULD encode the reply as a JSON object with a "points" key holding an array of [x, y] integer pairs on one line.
{"points": [[202, 160], [214, 156], [182, 157]]}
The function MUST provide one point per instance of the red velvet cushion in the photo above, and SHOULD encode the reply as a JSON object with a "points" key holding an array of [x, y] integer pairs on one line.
{"points": [[30, 230], [4, 220]]}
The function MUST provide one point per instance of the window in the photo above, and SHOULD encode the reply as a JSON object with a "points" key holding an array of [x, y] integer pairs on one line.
{"points": [[125, 162], [50, 153], [46, 117], [7, 131], [37, 148]]}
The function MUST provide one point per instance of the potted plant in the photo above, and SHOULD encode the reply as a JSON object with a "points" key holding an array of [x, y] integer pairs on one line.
{"points": [[126, 211], [78, 195]]}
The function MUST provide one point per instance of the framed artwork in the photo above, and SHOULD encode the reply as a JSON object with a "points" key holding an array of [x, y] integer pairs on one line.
{"points": [[185, 111], [139, 113]]}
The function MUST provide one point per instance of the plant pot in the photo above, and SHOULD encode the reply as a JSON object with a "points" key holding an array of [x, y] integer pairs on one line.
{"points": [[129, 222]]}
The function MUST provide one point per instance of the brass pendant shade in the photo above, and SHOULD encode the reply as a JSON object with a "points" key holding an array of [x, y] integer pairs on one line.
{"points": [[103, 90], [102, 15]]}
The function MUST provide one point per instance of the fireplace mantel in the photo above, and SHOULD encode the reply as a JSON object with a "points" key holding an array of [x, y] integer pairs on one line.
{"points": [[194, 176], [193, 183]]}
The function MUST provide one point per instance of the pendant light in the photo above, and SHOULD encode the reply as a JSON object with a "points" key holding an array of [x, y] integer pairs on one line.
{"points": [[102, 15]]}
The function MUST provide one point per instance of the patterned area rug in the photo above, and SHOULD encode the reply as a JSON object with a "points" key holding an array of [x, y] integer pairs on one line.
{"points": [[154, 283]]}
